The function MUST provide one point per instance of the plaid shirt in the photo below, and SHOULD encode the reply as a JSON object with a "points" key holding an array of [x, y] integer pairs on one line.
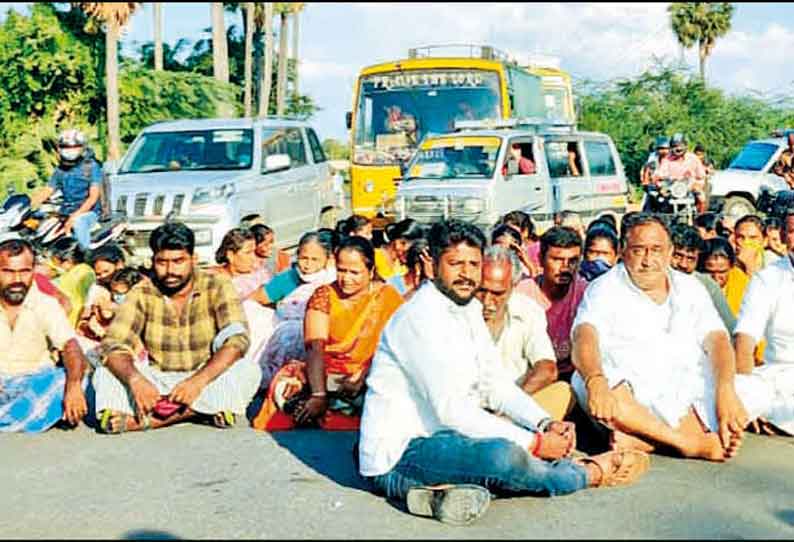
{"points": [[174, 342]]}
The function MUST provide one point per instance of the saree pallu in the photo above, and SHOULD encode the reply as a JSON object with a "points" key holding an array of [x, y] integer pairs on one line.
{"points": [[734, 294], [353, 338], [75, 284]]}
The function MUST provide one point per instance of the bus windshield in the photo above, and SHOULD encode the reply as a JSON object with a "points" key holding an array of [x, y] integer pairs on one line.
{"points": [[397, 109]]}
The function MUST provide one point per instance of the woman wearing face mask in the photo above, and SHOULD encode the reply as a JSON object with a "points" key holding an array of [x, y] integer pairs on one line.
{"points": [[391, 258], [342, 328], [312, 270], [600, 252]]}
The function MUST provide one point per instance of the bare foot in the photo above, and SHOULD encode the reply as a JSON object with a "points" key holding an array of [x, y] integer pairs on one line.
{"points": [[616, 468], [707, 446], [623, 441], [734, 444]]}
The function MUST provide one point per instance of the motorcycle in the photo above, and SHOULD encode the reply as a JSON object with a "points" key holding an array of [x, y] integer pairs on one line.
{"points": [[670, 197]]}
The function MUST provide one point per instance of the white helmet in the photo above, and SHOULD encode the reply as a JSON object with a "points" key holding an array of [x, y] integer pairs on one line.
{"points": [[71, 144]]}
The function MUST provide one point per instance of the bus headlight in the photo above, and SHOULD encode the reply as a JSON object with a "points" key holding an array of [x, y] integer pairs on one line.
{"points": [[369, 187]]}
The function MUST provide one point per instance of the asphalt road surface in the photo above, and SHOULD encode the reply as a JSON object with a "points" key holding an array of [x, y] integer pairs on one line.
{"points": [[194, 481]]}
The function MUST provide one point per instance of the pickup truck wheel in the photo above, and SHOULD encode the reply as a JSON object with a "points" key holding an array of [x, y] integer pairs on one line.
{"points": [[737, 207]]}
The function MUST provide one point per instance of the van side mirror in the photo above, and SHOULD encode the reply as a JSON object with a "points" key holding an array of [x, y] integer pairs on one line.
{"points": [[349, 119], [277, 162]]}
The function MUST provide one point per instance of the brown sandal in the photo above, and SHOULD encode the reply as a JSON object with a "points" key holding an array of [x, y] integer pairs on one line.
{"points": [[627, 466]]}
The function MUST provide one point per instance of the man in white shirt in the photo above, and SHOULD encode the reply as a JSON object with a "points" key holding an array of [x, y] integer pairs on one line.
{"points": [[442, 424], [654, 361], [518, 327], [768, 313]]}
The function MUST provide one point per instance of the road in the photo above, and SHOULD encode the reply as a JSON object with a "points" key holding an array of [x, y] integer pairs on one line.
{"points": [[199, 482]]}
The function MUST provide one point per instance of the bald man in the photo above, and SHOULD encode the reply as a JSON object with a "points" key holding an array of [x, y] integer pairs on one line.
{"points": [[518, 327]]}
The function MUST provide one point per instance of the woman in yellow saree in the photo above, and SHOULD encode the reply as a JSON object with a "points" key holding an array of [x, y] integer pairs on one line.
{"points": [[73, 277], [342, 328]]}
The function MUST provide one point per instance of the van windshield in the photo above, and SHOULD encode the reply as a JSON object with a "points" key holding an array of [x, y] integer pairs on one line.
{"points": [[450, 157], [754, 156], [190, 150]]}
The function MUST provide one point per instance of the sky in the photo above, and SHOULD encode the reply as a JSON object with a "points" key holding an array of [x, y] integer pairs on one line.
{"points": [[598, 41]]}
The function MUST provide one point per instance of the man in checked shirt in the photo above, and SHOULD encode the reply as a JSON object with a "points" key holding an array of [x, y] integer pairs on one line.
{"points": [[193, 330]]}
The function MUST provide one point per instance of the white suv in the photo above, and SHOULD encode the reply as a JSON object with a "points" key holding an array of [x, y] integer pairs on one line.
{"points": [[212, 173]]}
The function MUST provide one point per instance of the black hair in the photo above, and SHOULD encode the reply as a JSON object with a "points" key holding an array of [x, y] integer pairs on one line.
{"points": [[640, 219], [127, 275], [601, 231], [560, 237], [716, 247], [15, 247], [772, 223], [750, 219], [607, 219], [414, 254], [68, 250], [407, 228], [687, 237], [502, 230], [699, 148], [346, 227], [321, 239], [522, 220], [234, 241], [707, 221], [361, 245], [329, 236], [172, 236], [448, 233], [110, 252], [260, 231], [784, 216]]}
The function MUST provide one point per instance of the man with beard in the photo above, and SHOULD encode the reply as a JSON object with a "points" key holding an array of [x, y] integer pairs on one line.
{"points": [[194, 331], [443, 425], [34, 393], [654, 361], [561, 289]]}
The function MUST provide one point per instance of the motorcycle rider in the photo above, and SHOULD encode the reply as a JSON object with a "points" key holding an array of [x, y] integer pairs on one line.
{"points": [[79, 177], [682, 164], [662, 149]]}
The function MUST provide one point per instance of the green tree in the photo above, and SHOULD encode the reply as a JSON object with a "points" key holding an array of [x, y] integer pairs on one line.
{"points": [[336, 150], [700, 23]]}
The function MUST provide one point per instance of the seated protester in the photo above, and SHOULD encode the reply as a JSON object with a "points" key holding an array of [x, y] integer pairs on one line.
{"points": [[529, 240], [725, 229], [560, 288], [687, 249], [572, 220], [390, 259], [420, 268], [749, 239], [427, 436], [122, 282], [73, 276], [265, 240], [600, 251], [773, 240], [342, 327], [355, 225], [518, 327], [607, 219], [105, 261], [654, 362], [706, 225], [193, 328], [523, 166], [34, 393], [719, 262], [510, 238], [313, 269], [767, 314]]}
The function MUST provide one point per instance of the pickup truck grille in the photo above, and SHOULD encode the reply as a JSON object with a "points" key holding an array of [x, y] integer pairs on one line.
{"points": [[146, 204]]}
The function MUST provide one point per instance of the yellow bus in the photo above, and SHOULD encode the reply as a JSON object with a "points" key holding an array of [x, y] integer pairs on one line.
{"points": [[397, 103]]}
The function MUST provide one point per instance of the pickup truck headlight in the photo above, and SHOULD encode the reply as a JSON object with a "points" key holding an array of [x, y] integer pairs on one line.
{"points": [[212, 195]]}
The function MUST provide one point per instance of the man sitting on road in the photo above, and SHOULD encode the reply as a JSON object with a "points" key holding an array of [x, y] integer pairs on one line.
{"points": [[560, 290], [34, 393], [767, 312], [687, 248], [425, 421], [193, 328], [518, 327], [654, 361]]}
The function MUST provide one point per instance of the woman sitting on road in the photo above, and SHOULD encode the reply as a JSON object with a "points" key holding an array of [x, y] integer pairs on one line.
{"points": [[342, 327], [600, 251], [719, 261], [391, 259], [292, 289], [355, 225], [420, 267], [73, 277]]}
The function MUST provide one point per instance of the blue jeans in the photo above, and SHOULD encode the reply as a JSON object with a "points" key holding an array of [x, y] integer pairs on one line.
{"points": [[448, 457], [82, 228]]}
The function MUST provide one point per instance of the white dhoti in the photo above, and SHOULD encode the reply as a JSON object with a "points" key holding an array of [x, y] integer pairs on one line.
{"points": [[260, 326], [778, 403]]}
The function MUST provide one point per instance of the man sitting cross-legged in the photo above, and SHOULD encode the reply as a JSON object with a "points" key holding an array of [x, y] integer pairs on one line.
{"points": [[654, 361], [435, 376], [34, 393], [518, 327], [193, 328]]}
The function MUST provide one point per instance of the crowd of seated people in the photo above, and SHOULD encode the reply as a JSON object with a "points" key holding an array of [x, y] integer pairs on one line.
{"points": [[459, 355]]}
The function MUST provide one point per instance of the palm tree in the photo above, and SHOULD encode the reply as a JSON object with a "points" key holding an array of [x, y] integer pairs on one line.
{"points": [[114, 15], [297, 7], [283, 9], [249, 54], [158, 36], [266, 85], [700, 23], [220, 55]]}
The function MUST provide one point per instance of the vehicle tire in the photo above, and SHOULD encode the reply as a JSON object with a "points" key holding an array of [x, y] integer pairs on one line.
{"points": [[737, 207]]}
